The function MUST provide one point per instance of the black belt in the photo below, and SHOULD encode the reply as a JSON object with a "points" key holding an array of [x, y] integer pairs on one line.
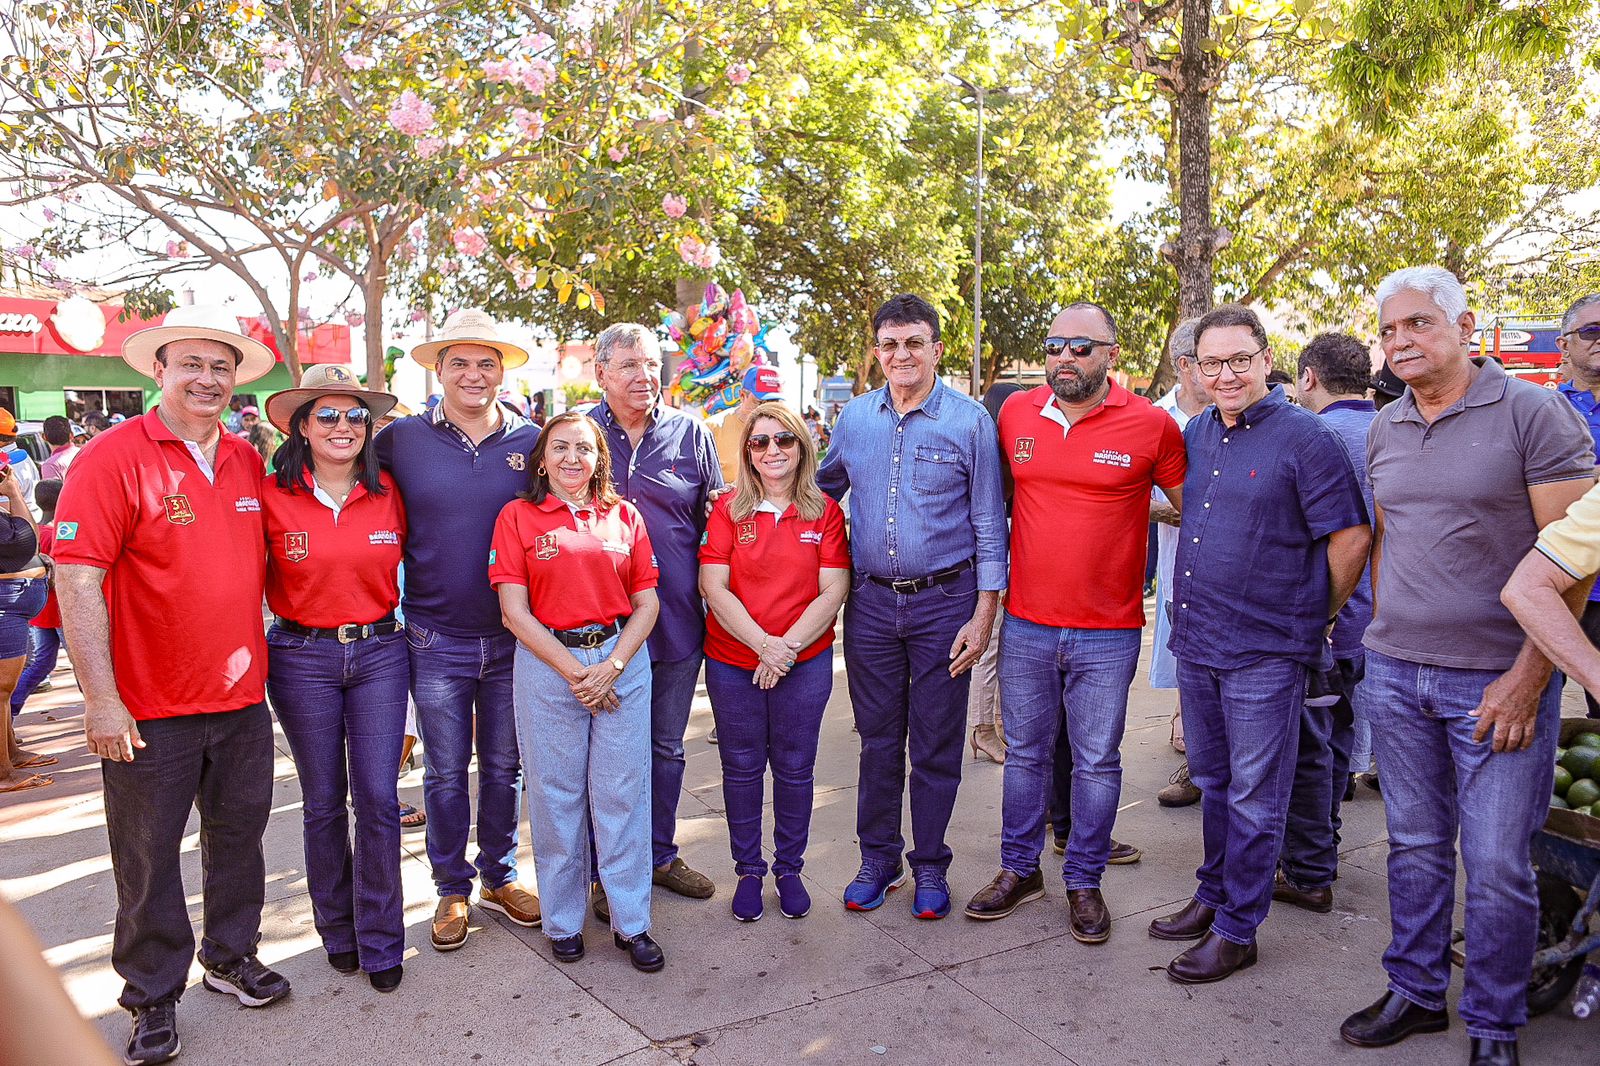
{"points": [[908, 585], [588, 636], [345, 634]]}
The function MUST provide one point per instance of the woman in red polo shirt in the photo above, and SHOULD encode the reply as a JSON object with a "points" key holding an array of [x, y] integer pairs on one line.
{"points": [[337, 668], [774, 570], [576, 577]]}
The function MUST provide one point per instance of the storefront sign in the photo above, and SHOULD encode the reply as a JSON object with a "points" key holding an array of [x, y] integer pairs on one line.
{"points": [[12, 322]]}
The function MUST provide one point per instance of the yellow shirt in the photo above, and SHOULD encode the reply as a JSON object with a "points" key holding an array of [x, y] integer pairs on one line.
{"points": [[727, 434], [1573, 542]]}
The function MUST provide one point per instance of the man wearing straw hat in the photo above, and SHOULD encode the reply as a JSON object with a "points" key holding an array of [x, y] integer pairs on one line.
{"points": [[167, 507], [456, 467]]}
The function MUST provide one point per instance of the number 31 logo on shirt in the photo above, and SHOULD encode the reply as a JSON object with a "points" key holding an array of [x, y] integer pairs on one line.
{"points": [[545, 547], [747, 532], [296, 546], [179, 513], [1023, 451]]}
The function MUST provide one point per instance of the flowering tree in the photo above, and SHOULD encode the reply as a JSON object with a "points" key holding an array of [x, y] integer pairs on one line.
{"points": [[389, 147]]}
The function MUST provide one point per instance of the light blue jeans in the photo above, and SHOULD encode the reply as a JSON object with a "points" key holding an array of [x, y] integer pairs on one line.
{"points": [[585, 770]]}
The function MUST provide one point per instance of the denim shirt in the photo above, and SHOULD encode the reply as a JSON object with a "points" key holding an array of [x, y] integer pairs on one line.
{"points": [[1250, 580], [925, 490], [1585, 404], [668, 477]]}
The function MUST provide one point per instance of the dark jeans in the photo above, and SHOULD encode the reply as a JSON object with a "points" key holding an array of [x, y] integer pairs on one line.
{"points": [[897, 659], [776, 726], [1310, 858], [1437, 785], [222, 764], [43, 647], [1061, 783], [462, 688], [672, 684], [1591, 629], [343, 710], [1239, 726]]}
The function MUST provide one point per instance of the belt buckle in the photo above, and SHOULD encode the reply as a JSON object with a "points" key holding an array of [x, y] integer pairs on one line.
{"points": [[342, 630], [592, 638], [905, 586]]}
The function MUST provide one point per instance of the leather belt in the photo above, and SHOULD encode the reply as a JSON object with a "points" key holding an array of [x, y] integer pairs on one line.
{"points": [[588, 636], [345, 634], [909, 585]]}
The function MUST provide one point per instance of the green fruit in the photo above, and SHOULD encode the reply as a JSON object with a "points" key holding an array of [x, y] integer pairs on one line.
{"points": [[1587, 740], [1563, 780], [1594, 810], [1581, 761], [1557, 801], [1583, 793]]}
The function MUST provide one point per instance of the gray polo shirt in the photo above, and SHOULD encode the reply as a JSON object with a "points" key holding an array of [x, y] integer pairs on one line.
{"points": [[1457, 518]]}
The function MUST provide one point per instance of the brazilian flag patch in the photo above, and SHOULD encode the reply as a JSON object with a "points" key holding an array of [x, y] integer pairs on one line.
{"points": [[67, 531]]}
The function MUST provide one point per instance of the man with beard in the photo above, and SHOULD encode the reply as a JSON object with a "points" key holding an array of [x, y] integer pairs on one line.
{"points": [[1071, 635]]}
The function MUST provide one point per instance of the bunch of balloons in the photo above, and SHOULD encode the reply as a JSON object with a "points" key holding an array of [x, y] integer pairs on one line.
{"points": [[722, 338]]}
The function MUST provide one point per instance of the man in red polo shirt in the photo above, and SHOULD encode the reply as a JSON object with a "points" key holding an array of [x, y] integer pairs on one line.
{"points": [[1083, 453], [160, 544]]}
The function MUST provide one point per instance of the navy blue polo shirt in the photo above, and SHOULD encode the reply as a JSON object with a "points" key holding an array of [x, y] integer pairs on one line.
{"points": [[1250, 581], [669, 477], [1586, 405], [453, 492]]}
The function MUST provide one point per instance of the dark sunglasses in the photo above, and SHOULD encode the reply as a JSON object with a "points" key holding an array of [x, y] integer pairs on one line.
{"points": [[758, 441], [1588, 333], [1079, 347], [328, 417]]}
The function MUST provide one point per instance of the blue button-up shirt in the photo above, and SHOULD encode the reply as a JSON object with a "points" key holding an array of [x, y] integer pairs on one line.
{"points": [[1250, 580], [924, 486], [1587, 406], [669, 476]]}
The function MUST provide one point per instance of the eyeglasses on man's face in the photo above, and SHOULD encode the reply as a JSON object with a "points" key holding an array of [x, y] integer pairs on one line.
{"points": [[1076, 347], [1587, 333], [1239, 363]]}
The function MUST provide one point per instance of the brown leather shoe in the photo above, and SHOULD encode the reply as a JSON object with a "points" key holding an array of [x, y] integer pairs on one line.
{"points": [[678, 877], [1180, 791], [1124, 854], [1211, 960], [1319, 900], [1088, 918], [1191, 921], [513, 901], [1004, 894], [450, 923]]}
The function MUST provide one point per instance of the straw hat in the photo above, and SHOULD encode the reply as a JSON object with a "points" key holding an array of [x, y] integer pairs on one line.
{"points": [[469, 326], [209, 323], [326, 379]]}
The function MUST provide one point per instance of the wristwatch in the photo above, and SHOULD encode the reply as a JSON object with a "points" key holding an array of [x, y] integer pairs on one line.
{"points": [[619, 664]]}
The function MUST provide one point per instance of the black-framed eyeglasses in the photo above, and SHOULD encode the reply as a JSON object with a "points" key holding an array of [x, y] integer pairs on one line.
{"points": [[1077, 347], [758, 442], [1588, 333], [1237, 363], [328, 417]]}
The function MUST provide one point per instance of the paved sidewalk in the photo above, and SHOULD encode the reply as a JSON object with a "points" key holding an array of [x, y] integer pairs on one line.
{"points": [[834, 988]]}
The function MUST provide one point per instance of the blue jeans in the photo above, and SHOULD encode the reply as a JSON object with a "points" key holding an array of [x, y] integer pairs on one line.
{"points": [[343, 710], [672, 684], [44, 645], [897, 659], [588, 777], [1310, 858], [462, 688], [1438, 783], [1240, 726], [776, 726], [1085, 673], [20, 599]]}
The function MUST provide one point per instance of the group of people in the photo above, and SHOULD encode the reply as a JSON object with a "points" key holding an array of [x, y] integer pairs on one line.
{"points": [[565, 586]]}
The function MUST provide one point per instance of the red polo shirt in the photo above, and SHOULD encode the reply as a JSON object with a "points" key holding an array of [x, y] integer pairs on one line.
{"points": [[49, 616], [578, 572], [1080, 513], [325, 571], [185, 569], [773, 562]]}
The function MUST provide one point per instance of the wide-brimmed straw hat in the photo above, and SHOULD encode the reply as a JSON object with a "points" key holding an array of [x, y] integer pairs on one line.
{"points": [[470, 326], [206, 322], [326, 379]]}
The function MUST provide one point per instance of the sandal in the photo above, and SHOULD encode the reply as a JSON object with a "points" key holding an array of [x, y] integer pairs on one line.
{"points": [[35, 781], [411, 818], [36, 762], [1175, 737]]}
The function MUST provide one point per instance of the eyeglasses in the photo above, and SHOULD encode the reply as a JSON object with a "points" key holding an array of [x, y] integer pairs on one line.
{"points": [[758, 441], [1588, 333], [1077, 347], [1237, 363], [328, 417], [651, 367]]}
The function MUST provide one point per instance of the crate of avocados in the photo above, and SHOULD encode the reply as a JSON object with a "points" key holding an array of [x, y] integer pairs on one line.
{"points": [[1575, 801]]}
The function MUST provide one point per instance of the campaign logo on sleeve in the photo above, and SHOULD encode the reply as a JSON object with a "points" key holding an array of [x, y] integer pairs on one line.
{"points": [[179, 513], [296, 546], [1023, 450], [67, 531], [811, 536]]}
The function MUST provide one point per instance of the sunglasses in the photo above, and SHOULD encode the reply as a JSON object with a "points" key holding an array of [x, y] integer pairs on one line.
{"points": [[758, 441], [1078, 347], [1588, 333], [328, 417]]}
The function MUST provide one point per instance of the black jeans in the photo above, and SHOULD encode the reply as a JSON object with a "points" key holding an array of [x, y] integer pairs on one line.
{"points": [[1591, 629], [1310, 856], [222, 764], [1061, 783]]}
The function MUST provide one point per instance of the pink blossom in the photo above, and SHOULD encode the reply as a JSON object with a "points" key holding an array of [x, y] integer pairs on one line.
{"points": [[738, 74], [49, 215], [660, 116], [498, 70], [536, 42], [345, 225], [417, 314], [354, 318], [675, 206], [357, 61], [23, 251], [427, 147], [470, 242], [448, 267], [411, 114], [523, 278], [618, 154], [177, 250], [275, 54], [309, 276], [536, 75], [47, 265], [696, 253], [529, 123]]}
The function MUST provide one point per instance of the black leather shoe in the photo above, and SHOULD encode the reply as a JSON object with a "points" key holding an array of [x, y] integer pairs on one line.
{"points": [[387, 980], [1493, 1052], [645, 954], [344, 961], [1318, 900], [1004, 894], [568, 948], [1390, 1020], [1189, 923], [1210, 960], [1087, 916]]}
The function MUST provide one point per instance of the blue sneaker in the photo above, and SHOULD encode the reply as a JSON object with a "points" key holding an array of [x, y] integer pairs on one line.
{"points": [[747, 899], [933, 894], [793, 899], [875, 881]]}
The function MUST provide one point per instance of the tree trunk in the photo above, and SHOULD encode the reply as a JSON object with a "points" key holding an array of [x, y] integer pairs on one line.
{"points": [[372, 319]]}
